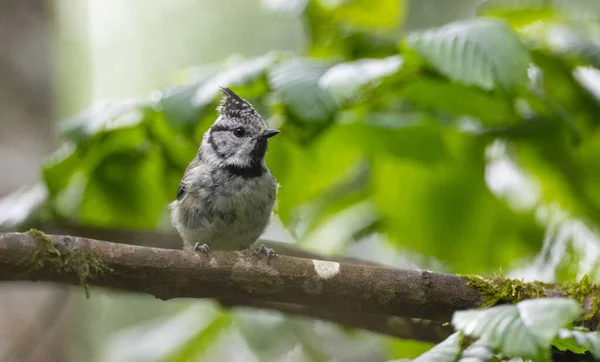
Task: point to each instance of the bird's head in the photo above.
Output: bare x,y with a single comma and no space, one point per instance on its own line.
239,136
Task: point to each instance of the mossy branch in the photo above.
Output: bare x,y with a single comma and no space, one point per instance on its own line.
243,278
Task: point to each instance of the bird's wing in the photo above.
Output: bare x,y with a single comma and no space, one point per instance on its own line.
181,190
197,162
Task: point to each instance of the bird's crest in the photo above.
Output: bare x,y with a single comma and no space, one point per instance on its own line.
235,107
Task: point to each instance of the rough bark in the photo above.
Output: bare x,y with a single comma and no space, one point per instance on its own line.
168,274
350,294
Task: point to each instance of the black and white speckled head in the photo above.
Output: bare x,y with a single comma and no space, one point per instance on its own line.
238,138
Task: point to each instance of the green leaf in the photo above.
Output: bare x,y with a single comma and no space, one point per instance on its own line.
522,330
59,167
198,345
477,352
446,351
407,348
385,14
480,52
459,100
297,83
519,13
345,79
104,144
125,190
103,116
578,341
178,150
450,350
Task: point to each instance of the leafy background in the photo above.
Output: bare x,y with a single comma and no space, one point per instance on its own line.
468,144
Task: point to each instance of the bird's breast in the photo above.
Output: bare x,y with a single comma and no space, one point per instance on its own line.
232,213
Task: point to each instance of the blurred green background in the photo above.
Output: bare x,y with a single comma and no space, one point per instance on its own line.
457,136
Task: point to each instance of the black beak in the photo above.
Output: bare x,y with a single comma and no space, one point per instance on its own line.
268,133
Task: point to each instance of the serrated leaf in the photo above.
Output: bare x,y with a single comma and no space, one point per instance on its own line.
578,341
477,352
297,83
525,329
345,79
480,52
446,351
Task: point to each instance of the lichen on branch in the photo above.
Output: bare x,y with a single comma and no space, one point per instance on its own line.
87,265
500,290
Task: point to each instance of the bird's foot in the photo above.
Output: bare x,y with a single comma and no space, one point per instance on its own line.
269,252
203,248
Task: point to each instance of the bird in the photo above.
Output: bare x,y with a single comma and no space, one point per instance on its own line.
227,193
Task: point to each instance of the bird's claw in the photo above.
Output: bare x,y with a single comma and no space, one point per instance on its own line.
269,252
203,248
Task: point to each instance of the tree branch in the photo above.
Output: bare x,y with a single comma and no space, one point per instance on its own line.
168,274
294,285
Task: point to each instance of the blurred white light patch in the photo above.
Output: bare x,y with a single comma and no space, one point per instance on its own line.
535,75
345,78
565,237
17,207
277,232
589,78
334,234
287,7
507,180
379,249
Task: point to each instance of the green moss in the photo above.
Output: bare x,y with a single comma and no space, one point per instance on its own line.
580,291
504,290
46,255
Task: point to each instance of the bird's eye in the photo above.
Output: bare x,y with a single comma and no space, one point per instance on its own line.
239,132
